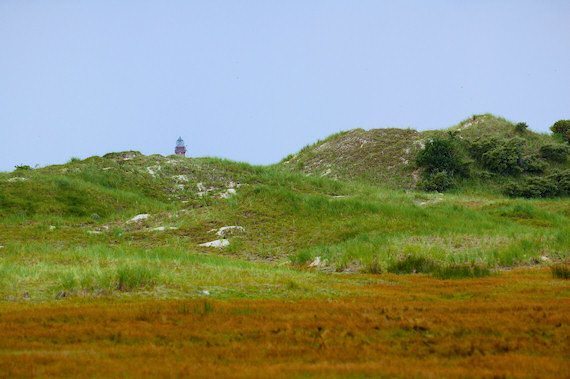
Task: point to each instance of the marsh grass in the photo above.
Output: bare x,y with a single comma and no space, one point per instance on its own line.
134,277
561,271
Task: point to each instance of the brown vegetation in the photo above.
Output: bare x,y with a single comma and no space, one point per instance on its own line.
514,324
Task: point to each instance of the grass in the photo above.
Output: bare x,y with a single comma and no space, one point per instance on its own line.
511,325
561,271
65,230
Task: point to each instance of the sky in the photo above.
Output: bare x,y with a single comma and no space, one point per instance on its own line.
257,80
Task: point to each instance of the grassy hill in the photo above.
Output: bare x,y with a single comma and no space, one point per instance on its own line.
68,230
387,157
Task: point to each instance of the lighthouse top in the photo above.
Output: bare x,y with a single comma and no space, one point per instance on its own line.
180,148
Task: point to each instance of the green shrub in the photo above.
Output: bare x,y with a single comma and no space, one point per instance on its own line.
532,164
439,181
533,187
23,167
521,127
555,152
503,156
561,129
561,180
442,155
412,264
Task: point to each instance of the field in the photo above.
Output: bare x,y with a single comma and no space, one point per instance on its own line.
516,324
103,273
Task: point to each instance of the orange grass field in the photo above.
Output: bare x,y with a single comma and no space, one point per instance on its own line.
514,324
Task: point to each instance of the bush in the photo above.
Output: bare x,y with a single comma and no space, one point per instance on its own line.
22,167
439,181
561,129
521,127
442,155
532,164
555,152
561,180
533,187
500,156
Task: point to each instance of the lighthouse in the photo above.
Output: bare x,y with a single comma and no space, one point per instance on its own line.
180,148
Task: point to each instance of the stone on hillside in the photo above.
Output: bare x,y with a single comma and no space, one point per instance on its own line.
163,228
217,243
140,217
229,193
316,262
17,179
227,230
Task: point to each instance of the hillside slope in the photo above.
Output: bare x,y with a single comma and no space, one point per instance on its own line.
127,222
387,157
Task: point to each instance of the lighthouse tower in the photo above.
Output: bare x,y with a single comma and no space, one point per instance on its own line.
180,148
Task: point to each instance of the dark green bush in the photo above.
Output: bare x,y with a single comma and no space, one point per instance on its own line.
561,128
22,168
532,164
439,181
562,181
504,156
442,155
533,187
521,127
555,152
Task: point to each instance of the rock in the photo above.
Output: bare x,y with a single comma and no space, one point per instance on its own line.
163,228
1,246
217,243
17,179
93,232
229,193
51,227
316,262
544,258
205,292
226,230
180,178
140,217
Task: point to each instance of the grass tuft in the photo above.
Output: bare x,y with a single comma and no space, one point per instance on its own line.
561,271
130,278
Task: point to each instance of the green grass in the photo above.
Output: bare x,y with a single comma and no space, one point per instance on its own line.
65,230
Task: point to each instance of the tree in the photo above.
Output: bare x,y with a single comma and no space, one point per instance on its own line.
561,128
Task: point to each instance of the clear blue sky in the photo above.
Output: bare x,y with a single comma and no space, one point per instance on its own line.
256,80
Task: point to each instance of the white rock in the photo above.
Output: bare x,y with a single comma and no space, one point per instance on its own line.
217,243
163,228
17,179
93,232
106,168
316,262
229,193
224,230
205,292
544,258
1,247
180,187
180,178
51,227
137,218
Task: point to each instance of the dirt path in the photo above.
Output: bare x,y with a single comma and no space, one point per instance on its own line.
515,324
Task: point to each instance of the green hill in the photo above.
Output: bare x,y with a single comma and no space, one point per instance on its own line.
387,157
126,222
